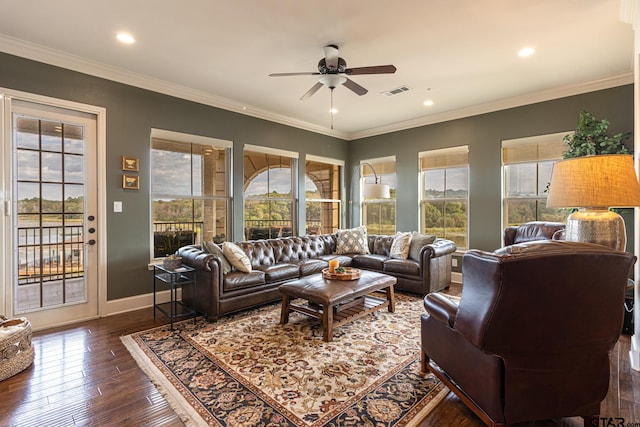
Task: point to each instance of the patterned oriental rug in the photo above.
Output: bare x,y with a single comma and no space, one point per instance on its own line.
248,370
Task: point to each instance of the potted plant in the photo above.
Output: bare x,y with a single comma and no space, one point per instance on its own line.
591,138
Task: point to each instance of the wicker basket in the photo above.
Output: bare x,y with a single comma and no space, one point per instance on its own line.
16,349
172,264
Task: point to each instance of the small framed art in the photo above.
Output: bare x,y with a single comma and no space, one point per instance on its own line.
130,182
130,164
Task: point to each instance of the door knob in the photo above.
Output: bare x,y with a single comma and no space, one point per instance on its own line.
91,242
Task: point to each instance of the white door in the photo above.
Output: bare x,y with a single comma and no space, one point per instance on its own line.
53,214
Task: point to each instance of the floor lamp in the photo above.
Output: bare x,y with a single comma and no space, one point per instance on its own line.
593,184
377,190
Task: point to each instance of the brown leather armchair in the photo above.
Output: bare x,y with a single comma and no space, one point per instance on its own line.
534,230
531,335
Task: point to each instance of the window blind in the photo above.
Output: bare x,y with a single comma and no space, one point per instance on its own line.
444,158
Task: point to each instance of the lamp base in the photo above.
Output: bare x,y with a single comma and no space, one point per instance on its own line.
597,225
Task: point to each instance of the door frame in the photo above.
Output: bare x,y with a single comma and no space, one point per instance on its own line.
6,251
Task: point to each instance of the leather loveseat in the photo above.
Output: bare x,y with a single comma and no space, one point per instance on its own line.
275,261
533,231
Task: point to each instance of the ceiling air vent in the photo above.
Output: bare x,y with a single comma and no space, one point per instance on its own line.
397,90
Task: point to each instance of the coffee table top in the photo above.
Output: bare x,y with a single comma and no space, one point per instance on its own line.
319,290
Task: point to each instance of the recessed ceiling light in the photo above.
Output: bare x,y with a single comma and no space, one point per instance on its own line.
526,51
428,103
333,111
125,38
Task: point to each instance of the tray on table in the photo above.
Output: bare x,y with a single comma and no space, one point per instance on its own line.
348,274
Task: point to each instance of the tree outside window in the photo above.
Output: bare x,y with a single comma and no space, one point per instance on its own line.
268,195
190,193
444,201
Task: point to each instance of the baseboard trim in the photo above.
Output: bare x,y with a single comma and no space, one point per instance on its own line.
456,278
137,302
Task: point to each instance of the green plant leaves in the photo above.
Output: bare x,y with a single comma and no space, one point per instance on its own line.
590,138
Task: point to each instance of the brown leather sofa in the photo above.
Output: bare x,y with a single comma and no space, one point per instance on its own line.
532,231
275,261
531,335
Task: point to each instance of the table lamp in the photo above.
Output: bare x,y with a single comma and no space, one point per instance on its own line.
593,184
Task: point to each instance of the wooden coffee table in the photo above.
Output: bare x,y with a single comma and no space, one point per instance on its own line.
337,302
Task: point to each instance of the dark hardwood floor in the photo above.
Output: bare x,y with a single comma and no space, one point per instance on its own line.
83,375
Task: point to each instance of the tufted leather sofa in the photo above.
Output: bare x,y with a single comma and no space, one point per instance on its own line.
275,261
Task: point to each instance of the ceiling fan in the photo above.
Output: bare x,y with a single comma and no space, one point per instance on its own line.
332,70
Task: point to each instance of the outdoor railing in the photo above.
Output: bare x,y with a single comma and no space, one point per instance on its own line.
50,253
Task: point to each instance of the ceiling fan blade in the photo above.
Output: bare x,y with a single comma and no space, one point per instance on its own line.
331,56
311,91
310,73
355,87
376,69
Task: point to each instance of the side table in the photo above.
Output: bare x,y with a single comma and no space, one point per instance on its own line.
173,280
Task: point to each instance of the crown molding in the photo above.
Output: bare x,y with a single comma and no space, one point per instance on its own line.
502,104
61,59
65,60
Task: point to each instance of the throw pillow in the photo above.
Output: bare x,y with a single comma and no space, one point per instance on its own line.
214,249
418,240
400,246
236,257
352,241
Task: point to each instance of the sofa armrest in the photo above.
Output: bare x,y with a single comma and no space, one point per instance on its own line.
438,248
195,257
435,265
208,276
441,308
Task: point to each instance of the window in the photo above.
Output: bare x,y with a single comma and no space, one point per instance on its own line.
190,190
322,194
379,215
269,192
527,165
444,194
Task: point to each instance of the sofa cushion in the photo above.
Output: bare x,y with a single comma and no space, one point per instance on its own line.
312,266
352,241
400,246
418,240
369,261
343,260
236,257
239,280
402,266
280,272
216,250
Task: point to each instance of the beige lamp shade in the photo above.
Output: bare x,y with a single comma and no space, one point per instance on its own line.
594,181
594,184
377,191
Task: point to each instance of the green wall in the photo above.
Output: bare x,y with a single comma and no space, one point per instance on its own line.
132,112
483,134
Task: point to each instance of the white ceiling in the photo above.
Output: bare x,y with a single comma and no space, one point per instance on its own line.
462,54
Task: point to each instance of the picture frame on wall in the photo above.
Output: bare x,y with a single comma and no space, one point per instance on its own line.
130,182
130,164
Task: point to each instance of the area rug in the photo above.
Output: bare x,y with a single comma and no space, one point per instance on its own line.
248,370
